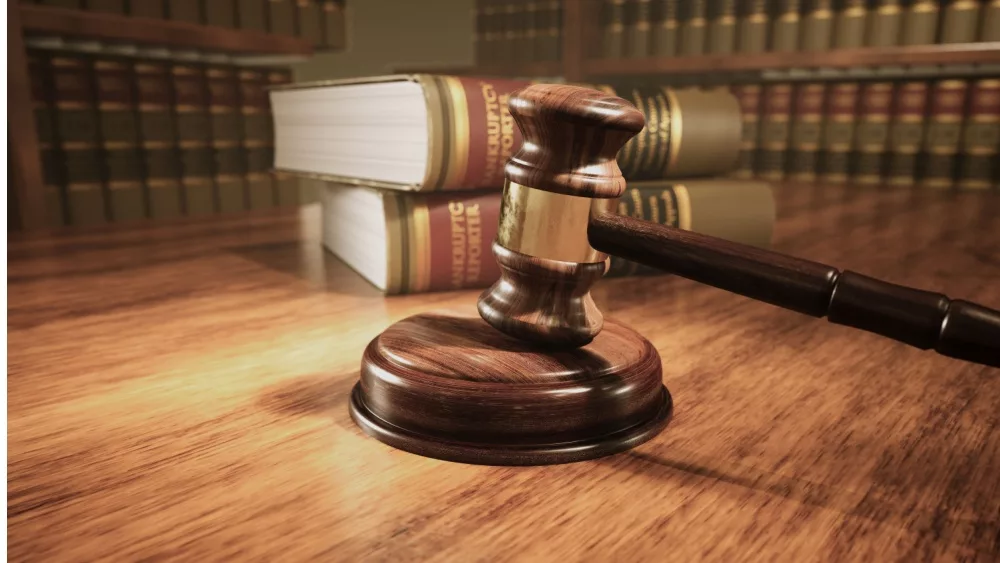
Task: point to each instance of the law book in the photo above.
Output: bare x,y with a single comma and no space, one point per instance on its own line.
871,134
53,183
194,135
981,135
221,13
840,117
785,27
106,6
722,27
78,132
405,243
752,27
71,4
884,24
816,29
160,151
524,48
989,29
920,23
185,11
806,131
749,96
959,21
285,184
251,15
155,9
664,37
281,17
119,130
906,132
512,30
638,29
850,22
256,139
944,133
548,41
693,25
774,131
309,16
334,26
613,29
229,167
486,22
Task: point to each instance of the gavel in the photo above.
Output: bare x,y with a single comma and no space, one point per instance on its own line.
558,227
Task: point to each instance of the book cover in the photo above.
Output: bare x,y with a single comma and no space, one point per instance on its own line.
906,132
548,41
944,133
785,27
753,26
960,21
637,32
850,22
774,131
817,25
989,29
227,136
334,26
884,24
749,96
664,40
806,131
119,131
194,134
920,22
281,17
872,132
981,135
160,151
613,28
251,15
309,16
256,139
840,117
221,13
693,27
722,27
50,154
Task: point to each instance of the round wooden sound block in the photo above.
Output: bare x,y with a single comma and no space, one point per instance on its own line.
454,388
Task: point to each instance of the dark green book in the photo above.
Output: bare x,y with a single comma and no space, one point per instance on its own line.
119,129
158,139
194,134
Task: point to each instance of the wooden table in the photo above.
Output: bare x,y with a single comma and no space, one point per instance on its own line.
180,391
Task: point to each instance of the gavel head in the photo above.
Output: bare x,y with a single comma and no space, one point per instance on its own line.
565,171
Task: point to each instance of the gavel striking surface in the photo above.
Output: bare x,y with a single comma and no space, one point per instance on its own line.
181,392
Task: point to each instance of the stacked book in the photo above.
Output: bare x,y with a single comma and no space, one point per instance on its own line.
413,170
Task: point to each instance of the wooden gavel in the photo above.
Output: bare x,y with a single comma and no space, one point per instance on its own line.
558,226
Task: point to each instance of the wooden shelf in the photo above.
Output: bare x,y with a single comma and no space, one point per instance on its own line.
117,28
950,54
529,69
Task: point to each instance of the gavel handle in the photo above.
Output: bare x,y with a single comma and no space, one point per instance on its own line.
956,328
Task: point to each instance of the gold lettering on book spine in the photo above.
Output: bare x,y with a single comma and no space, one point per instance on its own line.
499,130
466,243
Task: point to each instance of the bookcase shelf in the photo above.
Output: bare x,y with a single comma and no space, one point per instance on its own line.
911,55
117,28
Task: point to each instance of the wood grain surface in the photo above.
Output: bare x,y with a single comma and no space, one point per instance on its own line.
180,392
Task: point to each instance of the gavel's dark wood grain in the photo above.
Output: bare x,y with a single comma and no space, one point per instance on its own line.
181,392
924,319
572,136
452,387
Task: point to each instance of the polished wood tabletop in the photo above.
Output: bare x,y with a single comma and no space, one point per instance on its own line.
180,391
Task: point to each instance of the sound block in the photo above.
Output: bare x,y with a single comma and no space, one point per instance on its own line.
454,388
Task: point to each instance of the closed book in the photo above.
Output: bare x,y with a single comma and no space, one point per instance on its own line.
414,243
155,9
281,17
722,27
906,132
693,27
119,126
227,138
752,27
550,41
981,135
785,27
221,13
310,21
287,185
817,25
194,135
334,26
850,23
512,30
185,11
920,23
806,131
884,24
524,49
638,29
613,29
487,17
839,119
871,135
158,139
749,96
664,35
256,139
959,21
251,15
77,127
989,29
944,133
774,131
53,182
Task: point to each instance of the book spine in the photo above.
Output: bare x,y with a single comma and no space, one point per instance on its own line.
487,17
334,26
281,17
160,151
50,154
838,131
120,139
251,15
286,185
806,131
722,28
221,13
920,22
753,24
78,130
512,30
990,29
613,28
960,21
749,98
442,242
638,31
185,11
554,36
309,16
525,47
884,24
774,131
850,24
944,133
190,96
906,132
981,136
785,27
692,27
106,6
817,26
664,40
872,132
478,32
155,9
255,138
227,136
